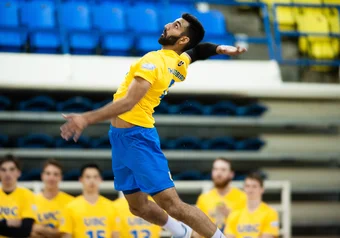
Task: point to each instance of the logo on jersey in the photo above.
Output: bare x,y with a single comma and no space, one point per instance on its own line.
148,66
180,63
274,224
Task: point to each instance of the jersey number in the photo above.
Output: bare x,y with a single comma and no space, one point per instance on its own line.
96,234
166,91
143,234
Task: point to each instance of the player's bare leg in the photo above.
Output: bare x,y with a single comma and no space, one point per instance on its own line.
190,215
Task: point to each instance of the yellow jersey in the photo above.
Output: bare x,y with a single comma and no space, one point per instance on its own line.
161,69
264,220
49,212
208,202
19,204
131,226
82,219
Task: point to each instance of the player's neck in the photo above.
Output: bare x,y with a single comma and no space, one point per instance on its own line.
253,204
50,193
223,191
171,47
8,188
91,197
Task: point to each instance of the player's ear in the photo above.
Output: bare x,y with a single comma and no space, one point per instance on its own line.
184,40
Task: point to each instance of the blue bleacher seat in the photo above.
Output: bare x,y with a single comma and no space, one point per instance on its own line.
101,104
189,107
37,104
73,174
222,108
5,103
162,108
75,104
249,144
82,143
3,141
39,17
165,143
251,110
109,18
12,37
75,18
100,143
143,20
213,22
35,141
185,143
175,11
108,175
188,175
33,174
220,143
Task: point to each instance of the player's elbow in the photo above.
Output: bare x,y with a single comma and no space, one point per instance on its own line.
129,103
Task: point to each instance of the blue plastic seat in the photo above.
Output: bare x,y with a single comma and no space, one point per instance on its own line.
12,36
36,140
175,11
250,144
75,18
143,21
189,107
33,174
75,104
101,104
220,143
222,108
5,103
109,19
188,175
162,108
165,143
82,143
185,143
3,141
38,104
251,110
108,175
72,175
100,143
39,17
213,22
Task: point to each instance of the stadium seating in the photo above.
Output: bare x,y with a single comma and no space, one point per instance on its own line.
175,11
221,143
12,37
82,143
221,108
100,143
249,144
39,18
75,104
187,108
35,141
3,141
5,103
38,104
75,18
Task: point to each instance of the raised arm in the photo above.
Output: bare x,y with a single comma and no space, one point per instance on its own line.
205,50
76,123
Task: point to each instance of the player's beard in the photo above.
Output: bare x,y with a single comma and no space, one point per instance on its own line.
222,184
171,40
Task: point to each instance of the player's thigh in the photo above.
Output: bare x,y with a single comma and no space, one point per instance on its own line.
136,200
167,199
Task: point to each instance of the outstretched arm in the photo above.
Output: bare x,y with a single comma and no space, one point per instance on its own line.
76,123
205,50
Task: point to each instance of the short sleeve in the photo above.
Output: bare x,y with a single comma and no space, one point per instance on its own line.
186,58
29,209
147,68
66,222
271,225
231,225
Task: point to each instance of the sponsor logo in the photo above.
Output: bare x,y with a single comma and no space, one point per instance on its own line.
148,66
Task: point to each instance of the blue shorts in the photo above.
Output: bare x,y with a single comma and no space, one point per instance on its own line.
138,163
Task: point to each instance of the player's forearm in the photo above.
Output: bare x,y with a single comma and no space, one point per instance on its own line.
66,235
109,111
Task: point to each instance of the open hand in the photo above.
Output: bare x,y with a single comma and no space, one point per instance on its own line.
74,126
230,50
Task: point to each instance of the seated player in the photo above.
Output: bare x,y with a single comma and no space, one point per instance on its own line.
131,226
257,220
51,201
17,205
89,215
219,202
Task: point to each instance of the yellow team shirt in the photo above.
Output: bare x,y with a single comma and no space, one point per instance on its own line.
208,203
131,226
49,212
82,219
162,69
19,204
245,224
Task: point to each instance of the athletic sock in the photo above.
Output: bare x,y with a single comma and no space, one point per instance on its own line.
218,234
174,227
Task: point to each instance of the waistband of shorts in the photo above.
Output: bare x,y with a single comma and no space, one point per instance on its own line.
130,131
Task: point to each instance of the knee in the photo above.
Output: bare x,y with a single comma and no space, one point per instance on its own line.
175,210
139,211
